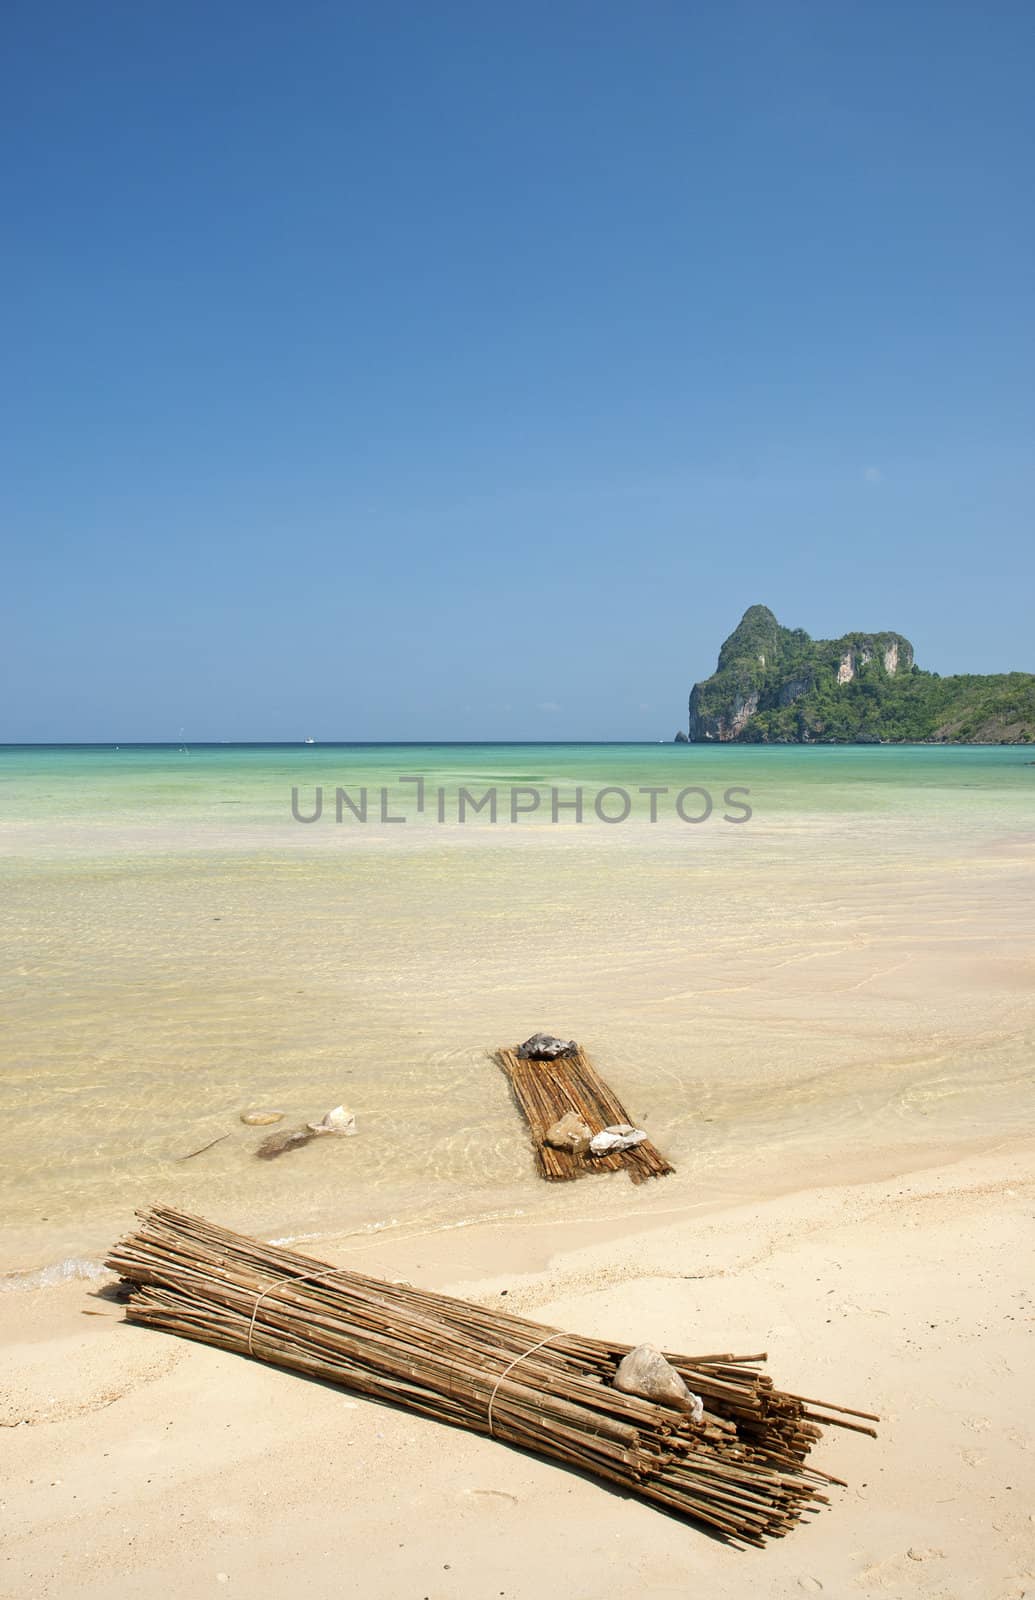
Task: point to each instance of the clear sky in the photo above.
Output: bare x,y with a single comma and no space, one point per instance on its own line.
403,370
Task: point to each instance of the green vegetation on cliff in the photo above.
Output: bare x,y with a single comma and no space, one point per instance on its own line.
777,685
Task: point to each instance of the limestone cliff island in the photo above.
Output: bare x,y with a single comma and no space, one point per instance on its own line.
776,685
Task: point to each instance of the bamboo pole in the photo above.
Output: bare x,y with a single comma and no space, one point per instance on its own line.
547,1090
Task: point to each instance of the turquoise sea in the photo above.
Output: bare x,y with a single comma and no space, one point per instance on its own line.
177,781
833,968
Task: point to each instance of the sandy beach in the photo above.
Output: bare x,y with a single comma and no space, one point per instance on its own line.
138,1465
824,1020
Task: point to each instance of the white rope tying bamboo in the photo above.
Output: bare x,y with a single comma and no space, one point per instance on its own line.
271,1288
522,1357
321,1277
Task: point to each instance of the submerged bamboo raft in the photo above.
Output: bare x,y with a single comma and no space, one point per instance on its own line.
547,1090
740,1470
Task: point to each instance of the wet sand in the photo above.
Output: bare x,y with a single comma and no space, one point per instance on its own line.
774,1005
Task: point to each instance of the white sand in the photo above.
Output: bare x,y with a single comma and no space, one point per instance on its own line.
136,1465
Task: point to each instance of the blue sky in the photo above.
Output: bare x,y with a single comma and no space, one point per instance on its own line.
458,370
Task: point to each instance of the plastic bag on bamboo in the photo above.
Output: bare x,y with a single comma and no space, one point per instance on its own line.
645,1372
612,1141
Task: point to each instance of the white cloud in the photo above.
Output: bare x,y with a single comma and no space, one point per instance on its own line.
549,705
872,475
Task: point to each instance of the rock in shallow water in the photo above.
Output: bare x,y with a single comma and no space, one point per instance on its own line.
545,1047
569,1133
258,1118
277,1143
339,1120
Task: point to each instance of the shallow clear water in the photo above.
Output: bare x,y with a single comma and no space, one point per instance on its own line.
849,972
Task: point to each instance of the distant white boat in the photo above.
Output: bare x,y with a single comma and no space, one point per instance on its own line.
310,740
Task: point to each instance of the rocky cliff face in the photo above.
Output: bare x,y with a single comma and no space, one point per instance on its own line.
765,667
776,684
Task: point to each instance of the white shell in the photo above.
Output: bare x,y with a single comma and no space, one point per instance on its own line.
336,1121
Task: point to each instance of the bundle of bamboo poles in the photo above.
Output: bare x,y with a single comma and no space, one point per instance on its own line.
741,1470
548,1090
